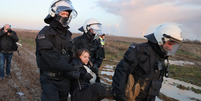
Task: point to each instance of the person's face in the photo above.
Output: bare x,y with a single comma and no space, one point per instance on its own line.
168,45
92,31
64,14
6,26
84,58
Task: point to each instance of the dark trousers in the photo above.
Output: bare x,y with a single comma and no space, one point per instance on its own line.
3,57
94,92
54,89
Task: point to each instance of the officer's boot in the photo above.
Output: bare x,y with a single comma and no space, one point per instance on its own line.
132,91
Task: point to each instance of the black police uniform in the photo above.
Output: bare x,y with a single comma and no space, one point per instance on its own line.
93,46
145,62
53,52
82,90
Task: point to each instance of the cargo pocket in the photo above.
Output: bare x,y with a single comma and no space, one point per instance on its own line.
155,88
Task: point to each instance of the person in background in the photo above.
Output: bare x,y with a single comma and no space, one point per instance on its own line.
91,29
53,51
8,39
146,63
102,41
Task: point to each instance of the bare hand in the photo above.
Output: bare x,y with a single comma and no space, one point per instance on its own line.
8,34
6,27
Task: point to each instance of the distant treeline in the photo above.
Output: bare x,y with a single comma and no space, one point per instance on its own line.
192,41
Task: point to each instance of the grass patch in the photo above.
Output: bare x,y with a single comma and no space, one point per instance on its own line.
186,53
189,54
115,50
28,41
166,98
189,74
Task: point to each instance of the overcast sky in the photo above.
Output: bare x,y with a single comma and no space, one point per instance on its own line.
131,18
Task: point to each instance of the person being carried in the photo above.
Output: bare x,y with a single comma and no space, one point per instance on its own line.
83,85
8,39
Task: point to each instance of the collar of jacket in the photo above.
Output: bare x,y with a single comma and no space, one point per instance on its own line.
58,27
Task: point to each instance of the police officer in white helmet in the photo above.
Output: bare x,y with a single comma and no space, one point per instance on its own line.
91,29
146,63
53,51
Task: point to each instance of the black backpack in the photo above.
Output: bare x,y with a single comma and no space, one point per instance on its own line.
15,47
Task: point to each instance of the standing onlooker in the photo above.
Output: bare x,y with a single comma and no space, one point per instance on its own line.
53,51
8,38
91,29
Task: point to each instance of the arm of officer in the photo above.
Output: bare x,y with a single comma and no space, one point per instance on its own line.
51,54
122,71
99,54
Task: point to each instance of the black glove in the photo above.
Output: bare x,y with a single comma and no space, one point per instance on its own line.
120,97
94,68
72,75
77,63
85,76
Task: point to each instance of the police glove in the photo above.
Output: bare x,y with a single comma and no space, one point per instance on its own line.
120,97
77,63
85,76
94,68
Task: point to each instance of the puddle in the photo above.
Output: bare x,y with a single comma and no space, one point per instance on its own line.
19,44
172,91
107,68
181,63
168,88
20,93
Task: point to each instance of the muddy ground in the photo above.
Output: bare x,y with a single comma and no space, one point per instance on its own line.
24,84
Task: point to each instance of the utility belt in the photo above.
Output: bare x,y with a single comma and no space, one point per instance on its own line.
6,52
52,74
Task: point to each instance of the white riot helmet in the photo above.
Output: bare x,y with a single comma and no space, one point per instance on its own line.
169,33
61,5
92,26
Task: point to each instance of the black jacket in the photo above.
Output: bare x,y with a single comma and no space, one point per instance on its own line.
78,78
147,67
53,48
7,42
93,46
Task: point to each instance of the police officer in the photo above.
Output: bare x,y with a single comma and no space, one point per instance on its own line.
146,62
53,51
91,29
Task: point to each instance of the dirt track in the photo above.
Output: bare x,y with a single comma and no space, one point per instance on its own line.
24,85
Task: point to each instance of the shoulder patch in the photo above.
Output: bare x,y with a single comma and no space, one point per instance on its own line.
41,36
133,46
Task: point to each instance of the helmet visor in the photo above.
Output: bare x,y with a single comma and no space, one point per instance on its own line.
64,5
171,47
96,28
